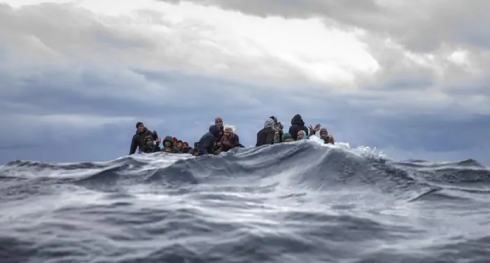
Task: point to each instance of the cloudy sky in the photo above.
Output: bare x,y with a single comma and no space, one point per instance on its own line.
410,78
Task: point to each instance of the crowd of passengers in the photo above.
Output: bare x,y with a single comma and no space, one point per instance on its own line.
220,139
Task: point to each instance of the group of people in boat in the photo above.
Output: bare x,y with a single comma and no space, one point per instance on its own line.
220,139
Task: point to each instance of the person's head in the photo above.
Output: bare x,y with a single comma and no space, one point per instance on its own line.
196,145
218,122
301,135
286,137
185,144
140,127
149,141
214,130
274,119
179,144
228,132
323,133
168,141
269,123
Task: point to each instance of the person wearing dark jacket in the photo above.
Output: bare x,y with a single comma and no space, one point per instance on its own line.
206,143
150,146
297,124
138,140
228,141
267,134
169,145
218,121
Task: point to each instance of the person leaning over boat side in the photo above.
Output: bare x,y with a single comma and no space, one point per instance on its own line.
138,140
267,134
207,141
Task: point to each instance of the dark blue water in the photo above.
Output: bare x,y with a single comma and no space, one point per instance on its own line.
297,202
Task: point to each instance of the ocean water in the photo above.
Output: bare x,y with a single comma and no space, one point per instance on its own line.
293,202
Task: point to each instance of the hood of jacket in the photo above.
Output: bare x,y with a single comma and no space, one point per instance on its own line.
286,135
214,130
168,139
269,123
297,120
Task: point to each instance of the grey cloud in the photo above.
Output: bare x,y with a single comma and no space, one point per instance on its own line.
55,34
102,84
38,139
419,25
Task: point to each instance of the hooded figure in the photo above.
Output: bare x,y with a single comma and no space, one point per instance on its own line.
297,124
286,137
267,134
301,135
206,143
138,140
169,145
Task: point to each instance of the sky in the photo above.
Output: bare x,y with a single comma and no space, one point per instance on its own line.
409,78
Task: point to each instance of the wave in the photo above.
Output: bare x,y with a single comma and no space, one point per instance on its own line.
256,197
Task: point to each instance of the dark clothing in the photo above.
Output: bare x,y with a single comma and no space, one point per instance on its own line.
206,143
172,144
297,124
265,136
221,132
228,142
186,150
139,140
150,149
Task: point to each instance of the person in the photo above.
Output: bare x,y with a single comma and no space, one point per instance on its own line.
169,145
278,130
138,140
180,144
301,135
195,150
228,141
219,122
327,138
286,137
186,148
150,146
267,134
297,124
207,141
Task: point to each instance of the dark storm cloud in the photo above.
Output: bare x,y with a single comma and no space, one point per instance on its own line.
28,139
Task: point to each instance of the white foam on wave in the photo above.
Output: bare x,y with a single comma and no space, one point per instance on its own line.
364,151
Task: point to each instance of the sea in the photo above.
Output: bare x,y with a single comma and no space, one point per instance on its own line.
291,202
